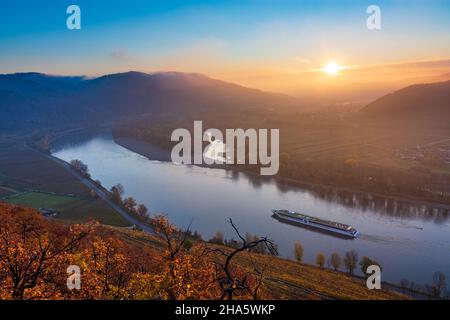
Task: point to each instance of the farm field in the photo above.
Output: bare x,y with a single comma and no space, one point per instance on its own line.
316,137
322,138
335,150
25,169
5,191
70,208
41,183
43,200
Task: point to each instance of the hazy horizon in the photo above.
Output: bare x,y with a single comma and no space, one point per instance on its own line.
224,150
276,46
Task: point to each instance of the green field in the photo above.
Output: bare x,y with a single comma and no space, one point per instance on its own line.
329,148
43,200
74,209
5,192
23,169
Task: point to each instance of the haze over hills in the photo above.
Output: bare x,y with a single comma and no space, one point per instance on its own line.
425,105
36,100
443,77
40,100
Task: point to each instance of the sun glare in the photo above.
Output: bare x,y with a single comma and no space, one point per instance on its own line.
332,68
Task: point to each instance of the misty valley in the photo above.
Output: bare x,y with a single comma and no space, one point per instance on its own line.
391,229
189,152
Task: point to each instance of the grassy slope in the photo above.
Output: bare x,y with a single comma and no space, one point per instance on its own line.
316,145
43,200
70,208
286,279
22,169
5,192
305,136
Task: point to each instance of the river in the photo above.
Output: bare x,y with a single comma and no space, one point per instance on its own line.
410,241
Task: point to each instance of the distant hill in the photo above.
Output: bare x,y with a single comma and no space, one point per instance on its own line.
40,100
423,105
443,77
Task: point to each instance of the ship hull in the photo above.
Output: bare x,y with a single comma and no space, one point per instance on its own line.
315,227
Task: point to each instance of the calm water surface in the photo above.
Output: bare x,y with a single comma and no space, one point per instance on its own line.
410,241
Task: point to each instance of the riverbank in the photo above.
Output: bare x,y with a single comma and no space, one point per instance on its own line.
25,171
209,196
101,192
153,152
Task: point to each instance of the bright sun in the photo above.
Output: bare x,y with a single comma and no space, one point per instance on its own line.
332,68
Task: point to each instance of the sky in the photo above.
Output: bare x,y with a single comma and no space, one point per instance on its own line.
278,45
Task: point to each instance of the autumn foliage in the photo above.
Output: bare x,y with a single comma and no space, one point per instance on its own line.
35,253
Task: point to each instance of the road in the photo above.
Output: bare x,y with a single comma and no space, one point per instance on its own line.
100,193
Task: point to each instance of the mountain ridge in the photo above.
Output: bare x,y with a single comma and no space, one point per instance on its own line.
423,105
63,100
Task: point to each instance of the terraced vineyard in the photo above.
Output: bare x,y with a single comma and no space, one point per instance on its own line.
286,279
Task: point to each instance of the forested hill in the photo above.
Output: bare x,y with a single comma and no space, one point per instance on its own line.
36,100
422,105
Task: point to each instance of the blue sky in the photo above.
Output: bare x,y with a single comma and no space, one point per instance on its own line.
233,40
